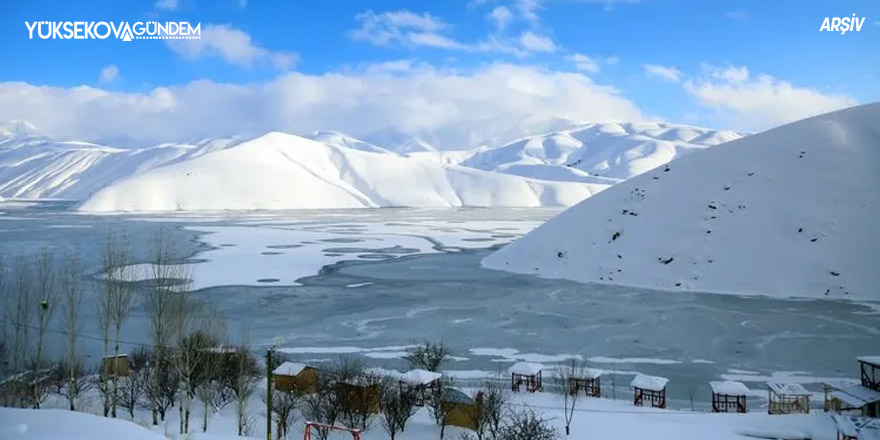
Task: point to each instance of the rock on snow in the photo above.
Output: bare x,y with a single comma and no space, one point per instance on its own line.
790,212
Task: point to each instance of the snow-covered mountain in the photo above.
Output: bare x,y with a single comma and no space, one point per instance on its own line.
598,153
280,170
788,212
36,166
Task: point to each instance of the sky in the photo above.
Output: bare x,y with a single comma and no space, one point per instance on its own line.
455,73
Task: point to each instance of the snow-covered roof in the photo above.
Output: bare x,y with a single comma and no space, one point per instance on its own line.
419,377
839,384
857,395
526,368
795,389
592,373
729,387
454,395
870,359
289,369
650,383
862,428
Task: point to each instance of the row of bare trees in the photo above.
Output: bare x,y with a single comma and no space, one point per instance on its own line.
186,359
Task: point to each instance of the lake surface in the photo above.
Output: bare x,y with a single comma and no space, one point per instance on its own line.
319,284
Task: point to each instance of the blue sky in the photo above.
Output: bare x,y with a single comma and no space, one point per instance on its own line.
745,65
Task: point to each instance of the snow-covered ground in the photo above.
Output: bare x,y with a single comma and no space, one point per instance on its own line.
791,212
593,418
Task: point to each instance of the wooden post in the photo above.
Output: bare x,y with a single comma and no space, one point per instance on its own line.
269,393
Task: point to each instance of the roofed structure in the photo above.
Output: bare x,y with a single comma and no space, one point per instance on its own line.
417,383
729,396
869,369
295,377
528,374
650,390
587,379
787,398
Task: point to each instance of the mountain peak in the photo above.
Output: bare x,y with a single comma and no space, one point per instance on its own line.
17,128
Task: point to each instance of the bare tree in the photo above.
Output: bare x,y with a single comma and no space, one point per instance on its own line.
489,413
526,424
132,388
161,305
211,391
246,373
7,306
73,380
565,375
47,295
120,301
428,356
396,408
439,409
71,289
358,393
284,406
323,405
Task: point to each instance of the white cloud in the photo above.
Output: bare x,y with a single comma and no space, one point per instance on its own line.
232,45
583,62
109,73
449,108
401,27
528,9
168,5
612,60
501,17
670,74
536,43
762,101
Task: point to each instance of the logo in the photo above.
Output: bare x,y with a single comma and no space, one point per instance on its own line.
123,30
842,25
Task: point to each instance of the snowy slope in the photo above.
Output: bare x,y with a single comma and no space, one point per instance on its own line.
789,212
598,152
56,424
35,166
280,170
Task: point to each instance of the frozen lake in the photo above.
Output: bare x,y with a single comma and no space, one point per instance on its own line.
370,282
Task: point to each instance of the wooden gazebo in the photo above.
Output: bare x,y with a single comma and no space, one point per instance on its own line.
589,380
528,374
787,398
295,377
361,394
418,384
729,396
869,367
649,391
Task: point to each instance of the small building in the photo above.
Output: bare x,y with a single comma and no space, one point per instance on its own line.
588,380
419,383
116,366
856,428
869,368
295,377
856,398
649,391
460,409
729,396
832,403
528,374
359,395
787,398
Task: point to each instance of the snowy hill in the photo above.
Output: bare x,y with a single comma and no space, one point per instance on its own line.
34,166
789,212
280,170
598,153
